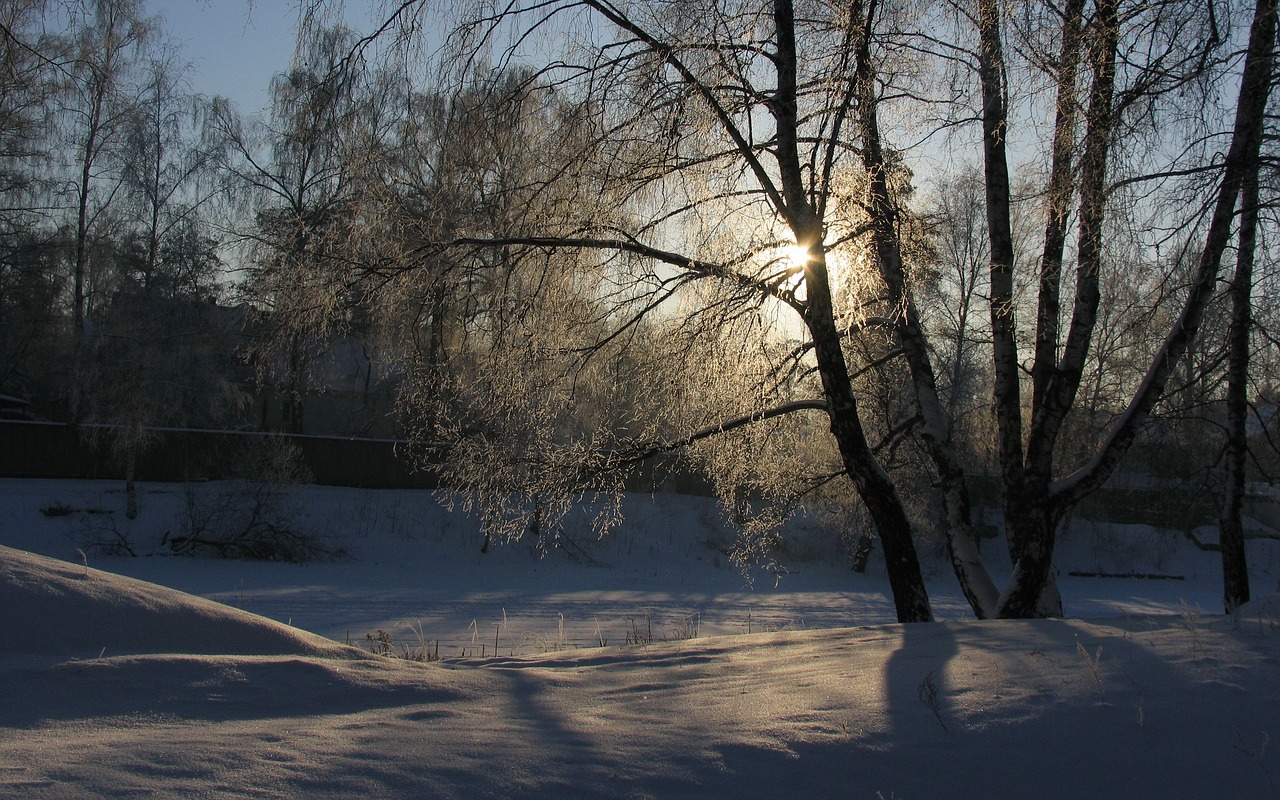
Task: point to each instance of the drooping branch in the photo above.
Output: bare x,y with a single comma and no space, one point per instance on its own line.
668,53
775,289
624,457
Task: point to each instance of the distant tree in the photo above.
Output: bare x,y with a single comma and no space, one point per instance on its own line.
107,37
33,67
148,347
33,71
293,178
952,297
163,354
167,169
32,314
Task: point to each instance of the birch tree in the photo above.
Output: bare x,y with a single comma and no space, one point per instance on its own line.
108,37
742,181
291,177
169,162
1235,572
714,185
32,76
1034,498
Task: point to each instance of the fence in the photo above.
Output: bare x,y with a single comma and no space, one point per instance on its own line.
57,450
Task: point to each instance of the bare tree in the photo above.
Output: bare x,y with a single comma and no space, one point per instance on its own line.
707,154
168,164
1034,498
714,142
1235,572
293,179
108,35
33,67
953,296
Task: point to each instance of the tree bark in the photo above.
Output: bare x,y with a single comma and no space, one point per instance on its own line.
975,581
1063,382
875,487
1061,188
1007,393
1031,516
1235,571
1029,521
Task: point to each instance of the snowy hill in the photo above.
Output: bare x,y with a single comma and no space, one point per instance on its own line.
113,687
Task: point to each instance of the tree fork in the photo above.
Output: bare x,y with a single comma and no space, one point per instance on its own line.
1242,153
875,487
1031,517
975,581
1060,191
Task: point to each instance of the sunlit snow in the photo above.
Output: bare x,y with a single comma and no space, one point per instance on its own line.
795,684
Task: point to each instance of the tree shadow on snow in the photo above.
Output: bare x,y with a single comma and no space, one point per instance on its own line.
211,689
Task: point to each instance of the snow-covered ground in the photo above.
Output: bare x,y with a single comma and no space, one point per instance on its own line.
796,683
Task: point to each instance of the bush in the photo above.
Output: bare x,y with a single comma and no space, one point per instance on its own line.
250,517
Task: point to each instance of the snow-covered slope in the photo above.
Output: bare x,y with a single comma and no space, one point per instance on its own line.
1144,707
113,687
60,611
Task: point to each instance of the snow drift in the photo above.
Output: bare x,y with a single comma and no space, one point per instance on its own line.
113,687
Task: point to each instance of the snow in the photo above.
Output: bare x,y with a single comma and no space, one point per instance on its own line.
234,680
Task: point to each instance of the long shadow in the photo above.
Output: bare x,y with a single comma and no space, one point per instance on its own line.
545,723
915,681
202,689
1148,719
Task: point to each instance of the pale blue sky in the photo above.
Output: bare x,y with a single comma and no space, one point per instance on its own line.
235,46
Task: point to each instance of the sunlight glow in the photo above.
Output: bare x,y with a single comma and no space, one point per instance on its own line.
796,255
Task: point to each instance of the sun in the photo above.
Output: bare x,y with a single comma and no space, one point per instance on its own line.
796,255
783,263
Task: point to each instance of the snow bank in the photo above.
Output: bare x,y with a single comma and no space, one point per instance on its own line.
61,611
115,687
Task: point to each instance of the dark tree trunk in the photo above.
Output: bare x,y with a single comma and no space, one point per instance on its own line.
1031,523
1061,188
1235,572
295,391
1027,518
130,483
875,487
935,429
1031,516
1007,377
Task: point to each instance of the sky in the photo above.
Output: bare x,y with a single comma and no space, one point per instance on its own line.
235,46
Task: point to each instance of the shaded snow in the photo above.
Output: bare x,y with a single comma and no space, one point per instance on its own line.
113,687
